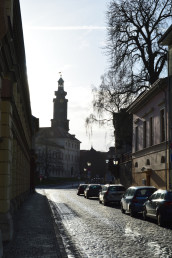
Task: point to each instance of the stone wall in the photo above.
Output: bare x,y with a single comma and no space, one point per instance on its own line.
15,118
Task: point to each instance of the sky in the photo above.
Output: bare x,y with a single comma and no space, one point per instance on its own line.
67,36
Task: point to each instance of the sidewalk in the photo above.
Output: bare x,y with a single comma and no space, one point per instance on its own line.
34,231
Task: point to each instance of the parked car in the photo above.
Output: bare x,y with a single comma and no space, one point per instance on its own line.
81,189
134,198
111,193
159,206
92,190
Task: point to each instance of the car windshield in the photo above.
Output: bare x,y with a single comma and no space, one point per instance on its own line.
83,186
145,192
116,188
94,186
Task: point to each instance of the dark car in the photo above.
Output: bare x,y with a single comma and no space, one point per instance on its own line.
134,198
111,193
92,190
159,206
81,189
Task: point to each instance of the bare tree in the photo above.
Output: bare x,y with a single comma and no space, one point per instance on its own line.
134,28
137,60
108,99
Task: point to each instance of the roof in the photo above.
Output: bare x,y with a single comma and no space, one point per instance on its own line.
55,132
147,95
142,187
166,39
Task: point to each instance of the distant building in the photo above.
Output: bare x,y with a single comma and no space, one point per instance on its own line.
58,151
123,126
122,122
93,164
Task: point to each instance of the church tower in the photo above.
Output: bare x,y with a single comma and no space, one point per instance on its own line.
60,108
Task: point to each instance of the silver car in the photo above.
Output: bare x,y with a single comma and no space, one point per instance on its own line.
111,193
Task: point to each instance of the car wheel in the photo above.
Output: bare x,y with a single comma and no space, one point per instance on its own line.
122,210
132,213
104,203
144,214
160,220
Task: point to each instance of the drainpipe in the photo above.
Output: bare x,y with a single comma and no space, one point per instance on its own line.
166,139
169,116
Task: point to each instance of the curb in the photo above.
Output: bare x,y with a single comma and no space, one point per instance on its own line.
62,251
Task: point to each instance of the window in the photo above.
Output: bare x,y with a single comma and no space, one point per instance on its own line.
151,131
130,192
136,165
162,159
153,197
144,134
162,125
147,162
136,138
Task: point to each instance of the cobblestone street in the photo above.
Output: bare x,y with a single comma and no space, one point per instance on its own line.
90,229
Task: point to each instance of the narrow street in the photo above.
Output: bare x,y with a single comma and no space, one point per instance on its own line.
89,229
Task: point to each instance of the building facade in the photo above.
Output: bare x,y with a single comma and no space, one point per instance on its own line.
166,40
150,136
123,124
54,145
15,118
93,164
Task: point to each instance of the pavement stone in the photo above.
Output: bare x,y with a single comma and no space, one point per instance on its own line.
35,232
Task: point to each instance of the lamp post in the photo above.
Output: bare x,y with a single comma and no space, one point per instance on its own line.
85,173
89,170
112,169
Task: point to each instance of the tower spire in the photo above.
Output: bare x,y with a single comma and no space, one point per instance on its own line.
60,82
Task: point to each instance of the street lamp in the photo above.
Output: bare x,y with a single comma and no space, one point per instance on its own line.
115,162
89,170
85,172
112,168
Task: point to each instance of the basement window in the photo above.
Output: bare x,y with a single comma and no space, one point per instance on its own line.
162,159
148,162
136,165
